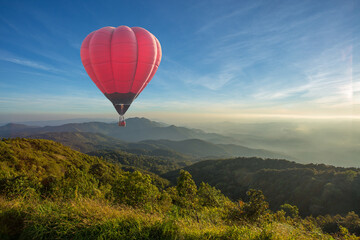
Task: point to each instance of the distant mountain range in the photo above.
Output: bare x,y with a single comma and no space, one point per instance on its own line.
44,123
141,136
137,129
203,149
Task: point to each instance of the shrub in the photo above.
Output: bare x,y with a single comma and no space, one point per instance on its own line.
136,189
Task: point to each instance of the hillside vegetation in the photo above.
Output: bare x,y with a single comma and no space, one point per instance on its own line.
155,164
317,189
49,191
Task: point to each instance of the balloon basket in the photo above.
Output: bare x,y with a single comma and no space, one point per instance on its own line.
122,122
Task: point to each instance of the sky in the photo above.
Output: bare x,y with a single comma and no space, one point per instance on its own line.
222,60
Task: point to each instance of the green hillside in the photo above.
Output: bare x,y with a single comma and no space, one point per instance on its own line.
155,164
314,188
48,191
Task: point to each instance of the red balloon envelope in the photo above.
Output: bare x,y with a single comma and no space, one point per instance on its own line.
121,62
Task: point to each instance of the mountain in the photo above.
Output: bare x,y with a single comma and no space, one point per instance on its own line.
191,149
13,128
202,149
137,129
180,143
62,122
82,141
315,189
92,142
109,129
41,159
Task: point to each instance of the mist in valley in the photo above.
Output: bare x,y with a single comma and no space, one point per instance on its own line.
328,142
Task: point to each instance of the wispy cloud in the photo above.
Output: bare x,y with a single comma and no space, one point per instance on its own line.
28,63
11,57
328,80
10,25
213,80
287,41
69,71
244,46
46,104
226,17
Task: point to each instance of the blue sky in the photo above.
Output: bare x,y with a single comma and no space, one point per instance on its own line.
221,59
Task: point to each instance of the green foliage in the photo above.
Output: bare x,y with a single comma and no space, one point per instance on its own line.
91,219
142,160
76,183
53,192
290,210
316,189
186,190
254,210
20,186
211,197
257,206
334,224
12,222
135,189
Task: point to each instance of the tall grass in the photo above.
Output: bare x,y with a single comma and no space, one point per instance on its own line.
94,219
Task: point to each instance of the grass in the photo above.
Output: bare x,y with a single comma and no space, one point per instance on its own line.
94,219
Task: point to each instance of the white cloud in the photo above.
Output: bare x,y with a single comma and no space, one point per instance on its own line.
27,63
224,17
10,57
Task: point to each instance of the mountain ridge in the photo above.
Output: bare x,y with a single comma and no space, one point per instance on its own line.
141,133
137,129
194,149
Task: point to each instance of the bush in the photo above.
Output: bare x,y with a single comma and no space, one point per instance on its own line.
136,189
290,210
211,197
20,187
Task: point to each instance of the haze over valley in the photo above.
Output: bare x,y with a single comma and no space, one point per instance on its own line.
335,143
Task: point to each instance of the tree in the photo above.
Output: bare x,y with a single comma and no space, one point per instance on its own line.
256,206
210,197
290,210
186,190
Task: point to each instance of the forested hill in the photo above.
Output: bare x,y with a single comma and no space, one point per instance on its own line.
49,191
315,189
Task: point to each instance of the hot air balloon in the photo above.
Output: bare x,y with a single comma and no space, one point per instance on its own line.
121,62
